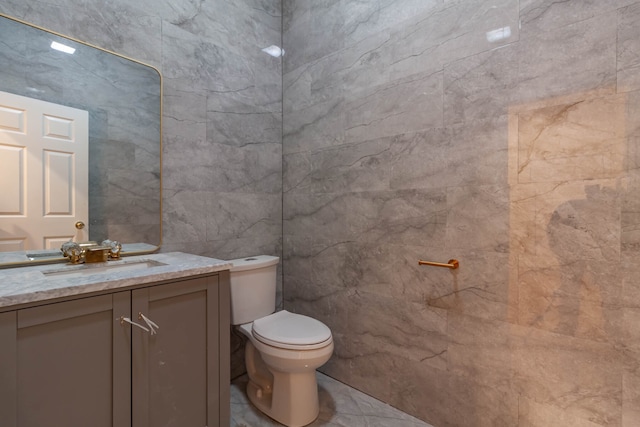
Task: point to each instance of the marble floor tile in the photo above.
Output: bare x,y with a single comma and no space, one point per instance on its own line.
340,405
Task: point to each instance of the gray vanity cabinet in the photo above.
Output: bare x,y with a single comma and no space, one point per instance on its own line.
75,364
66,364
177,372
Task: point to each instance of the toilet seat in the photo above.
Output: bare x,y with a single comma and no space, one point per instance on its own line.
291,331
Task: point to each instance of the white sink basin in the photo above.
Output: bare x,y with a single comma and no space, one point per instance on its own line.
89,269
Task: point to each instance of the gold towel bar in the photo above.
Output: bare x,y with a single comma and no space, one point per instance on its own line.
453,263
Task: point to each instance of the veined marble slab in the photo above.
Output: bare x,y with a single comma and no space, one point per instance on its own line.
26,285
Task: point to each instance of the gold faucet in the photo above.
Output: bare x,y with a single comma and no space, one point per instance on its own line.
88,252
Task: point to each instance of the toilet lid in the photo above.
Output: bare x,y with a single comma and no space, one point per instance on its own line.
285,329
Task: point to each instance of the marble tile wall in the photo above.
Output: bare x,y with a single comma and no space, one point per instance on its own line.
411,131
222,122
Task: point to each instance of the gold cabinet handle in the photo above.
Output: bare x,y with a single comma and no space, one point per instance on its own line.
452,264
79,225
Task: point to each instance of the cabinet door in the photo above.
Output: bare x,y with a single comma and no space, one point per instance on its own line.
66,364
176,372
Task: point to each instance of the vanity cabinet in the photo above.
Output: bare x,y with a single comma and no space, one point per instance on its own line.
66,364
76,363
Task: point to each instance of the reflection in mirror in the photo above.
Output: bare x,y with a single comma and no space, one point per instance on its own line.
122,100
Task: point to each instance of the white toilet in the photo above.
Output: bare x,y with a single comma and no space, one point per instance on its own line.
284,349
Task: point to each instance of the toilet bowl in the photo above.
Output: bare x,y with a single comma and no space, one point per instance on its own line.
283,350
282,373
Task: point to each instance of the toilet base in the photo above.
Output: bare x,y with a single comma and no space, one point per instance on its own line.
282,382
298,404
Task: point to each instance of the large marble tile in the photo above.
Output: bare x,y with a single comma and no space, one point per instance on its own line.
314,222
223,20
349,22
456,30
389,270
629,48
401,106
571,283
241,128
582,140
481,86
535,414
355,68
184,216
353,167
194,63
579,378
481,350
253,168
477,218
422,160
632,125
422,39
121,27
305,26
448,400
264,95
400,217
397,329
473,153
545,15
316,126
365,18
382,217
184,134
242,215
480,287
576,58
630,288
631,395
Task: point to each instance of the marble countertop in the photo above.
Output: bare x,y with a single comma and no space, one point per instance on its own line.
27,285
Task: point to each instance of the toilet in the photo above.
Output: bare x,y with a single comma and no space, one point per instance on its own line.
284,349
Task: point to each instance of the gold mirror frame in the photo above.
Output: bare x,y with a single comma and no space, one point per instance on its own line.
17,259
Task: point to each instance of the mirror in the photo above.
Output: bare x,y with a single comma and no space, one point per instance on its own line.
123,100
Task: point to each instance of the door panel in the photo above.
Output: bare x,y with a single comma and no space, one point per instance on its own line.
44,156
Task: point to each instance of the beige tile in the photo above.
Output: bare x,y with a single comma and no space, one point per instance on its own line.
480,287
566,239
579,377
534,414
451,400
394,328
581,140
575,58
481,351
631,396
478,218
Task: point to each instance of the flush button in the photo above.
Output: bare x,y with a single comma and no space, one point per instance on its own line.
250,259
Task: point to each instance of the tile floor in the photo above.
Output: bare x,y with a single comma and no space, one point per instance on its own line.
340,406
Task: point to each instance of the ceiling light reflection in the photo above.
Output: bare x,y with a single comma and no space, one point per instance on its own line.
498,34
62,47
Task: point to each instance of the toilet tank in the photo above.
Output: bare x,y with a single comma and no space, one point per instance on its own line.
253,288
